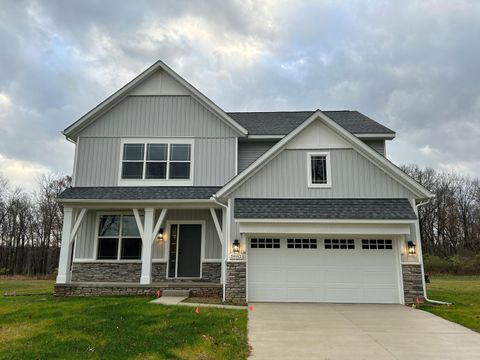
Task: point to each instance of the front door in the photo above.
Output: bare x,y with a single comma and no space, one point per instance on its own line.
185,259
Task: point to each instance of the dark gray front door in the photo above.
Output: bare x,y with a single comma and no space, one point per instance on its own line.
189,250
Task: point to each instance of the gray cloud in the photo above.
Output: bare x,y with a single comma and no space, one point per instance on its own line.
411,65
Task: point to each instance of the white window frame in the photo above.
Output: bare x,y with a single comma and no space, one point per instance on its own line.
120,237
328,169
156,182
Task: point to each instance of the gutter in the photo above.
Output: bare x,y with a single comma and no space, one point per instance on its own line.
224,261
421,257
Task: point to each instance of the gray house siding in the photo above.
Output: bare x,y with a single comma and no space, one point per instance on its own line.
85,240
98,161
377,145
353,176
145,116
249,151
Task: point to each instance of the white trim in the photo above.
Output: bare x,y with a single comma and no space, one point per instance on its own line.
217,226
328,221
158,225
159,261
78,222
212,261
328,169
157,182
167,246
120,94
138,220
398,257
236,156
266,137
75,162
107,261
386,136
376,158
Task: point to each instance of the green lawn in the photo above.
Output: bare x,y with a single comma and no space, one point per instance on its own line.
44,327
21,287
464,294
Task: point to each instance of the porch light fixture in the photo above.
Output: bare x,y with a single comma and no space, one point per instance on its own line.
411,248
236,246
160,235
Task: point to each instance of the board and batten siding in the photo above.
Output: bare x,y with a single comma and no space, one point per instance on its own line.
158,116
249,151
98,161
85,239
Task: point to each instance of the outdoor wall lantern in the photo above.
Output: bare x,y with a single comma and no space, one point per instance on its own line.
411,248
160,235
236,246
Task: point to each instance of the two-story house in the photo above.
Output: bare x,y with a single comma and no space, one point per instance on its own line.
171,192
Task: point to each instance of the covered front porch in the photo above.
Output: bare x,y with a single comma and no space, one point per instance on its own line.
137,246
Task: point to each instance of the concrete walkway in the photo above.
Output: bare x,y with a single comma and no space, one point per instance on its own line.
178,300
335,331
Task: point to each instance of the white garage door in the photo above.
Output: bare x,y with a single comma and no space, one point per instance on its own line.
323,270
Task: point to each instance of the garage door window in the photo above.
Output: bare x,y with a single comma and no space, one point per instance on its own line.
339,244
301,243
374,244
265,243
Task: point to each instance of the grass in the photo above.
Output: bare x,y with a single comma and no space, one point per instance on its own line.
44,327
22,286
464,294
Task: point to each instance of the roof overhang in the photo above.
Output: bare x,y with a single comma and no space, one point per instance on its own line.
375,136
131,204
71,131
383,163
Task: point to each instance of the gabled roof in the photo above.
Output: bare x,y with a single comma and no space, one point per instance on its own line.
119,95
377,159
378,209
137,193
283,122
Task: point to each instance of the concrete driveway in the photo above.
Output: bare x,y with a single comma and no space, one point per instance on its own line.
335,331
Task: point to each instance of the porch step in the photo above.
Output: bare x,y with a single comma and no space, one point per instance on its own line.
176,293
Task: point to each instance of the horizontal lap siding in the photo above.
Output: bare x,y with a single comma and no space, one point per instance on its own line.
248,152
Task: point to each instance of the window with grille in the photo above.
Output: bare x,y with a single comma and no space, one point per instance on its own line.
375,244
339,244
118,238
319,169
263,243
301,243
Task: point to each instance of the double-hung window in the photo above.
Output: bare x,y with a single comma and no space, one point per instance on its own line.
319,173
154,162
118,238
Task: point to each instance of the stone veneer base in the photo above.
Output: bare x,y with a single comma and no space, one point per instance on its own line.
109,289
236,284
412,283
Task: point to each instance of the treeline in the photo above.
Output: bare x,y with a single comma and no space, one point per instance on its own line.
31,224
31,227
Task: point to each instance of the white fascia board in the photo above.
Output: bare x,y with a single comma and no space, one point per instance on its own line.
387,136
122,204
282,229
379,160
329,221
116,97
270,154
265,137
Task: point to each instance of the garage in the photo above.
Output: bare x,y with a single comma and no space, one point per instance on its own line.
323,269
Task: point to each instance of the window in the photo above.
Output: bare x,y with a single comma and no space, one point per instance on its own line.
118,238
319,174
374,244
301,243
265,243
156,161
339,244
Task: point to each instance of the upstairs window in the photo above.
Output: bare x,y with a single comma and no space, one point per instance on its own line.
156,161
319,174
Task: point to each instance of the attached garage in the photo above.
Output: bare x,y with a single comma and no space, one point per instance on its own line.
324,250
317,269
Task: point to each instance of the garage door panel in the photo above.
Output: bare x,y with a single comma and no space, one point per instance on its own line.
323,275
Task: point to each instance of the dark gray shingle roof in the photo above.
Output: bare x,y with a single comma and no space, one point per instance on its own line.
323,209
283,122
139,192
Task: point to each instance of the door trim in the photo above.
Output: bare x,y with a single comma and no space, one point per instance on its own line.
202,246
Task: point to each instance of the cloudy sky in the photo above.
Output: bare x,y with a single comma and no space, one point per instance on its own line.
412,65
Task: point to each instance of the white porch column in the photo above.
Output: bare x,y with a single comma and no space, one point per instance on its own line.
147,247
63,276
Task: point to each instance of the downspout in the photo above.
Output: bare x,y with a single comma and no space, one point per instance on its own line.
417,233
226,228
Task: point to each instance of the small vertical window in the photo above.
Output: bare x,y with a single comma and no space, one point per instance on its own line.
180,161
132,165
319,170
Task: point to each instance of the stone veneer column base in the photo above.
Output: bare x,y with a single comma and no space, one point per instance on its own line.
236,282
412,283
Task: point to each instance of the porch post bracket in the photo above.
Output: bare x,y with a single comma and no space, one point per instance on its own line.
78,222
217,225
158,225
138,220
